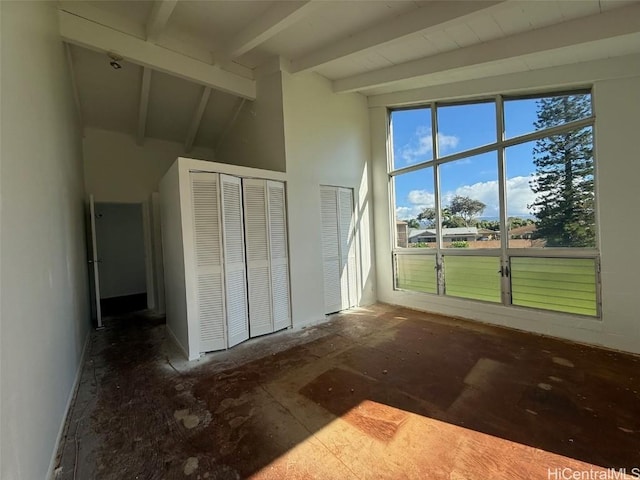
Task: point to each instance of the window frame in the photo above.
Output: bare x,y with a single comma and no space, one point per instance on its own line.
499,146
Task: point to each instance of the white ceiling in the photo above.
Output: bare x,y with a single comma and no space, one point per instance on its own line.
371,47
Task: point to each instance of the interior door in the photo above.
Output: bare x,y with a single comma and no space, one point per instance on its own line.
257,245
339,255
235,274
348,273
94,276
279,255
208,255
330,250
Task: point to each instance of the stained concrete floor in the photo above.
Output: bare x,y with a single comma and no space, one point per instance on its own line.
377,392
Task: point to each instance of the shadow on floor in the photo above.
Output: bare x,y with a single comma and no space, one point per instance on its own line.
380,392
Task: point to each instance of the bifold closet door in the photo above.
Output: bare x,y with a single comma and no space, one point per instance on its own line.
338,248
267,256
205,198
234,260
348,279
279,254
258,268
330,249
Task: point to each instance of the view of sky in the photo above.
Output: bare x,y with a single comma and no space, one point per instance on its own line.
463,127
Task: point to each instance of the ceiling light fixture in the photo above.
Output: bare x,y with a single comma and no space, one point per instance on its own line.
115,60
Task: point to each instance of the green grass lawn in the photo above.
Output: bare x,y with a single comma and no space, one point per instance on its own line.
559,284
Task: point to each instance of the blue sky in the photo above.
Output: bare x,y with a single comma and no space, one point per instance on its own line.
462,127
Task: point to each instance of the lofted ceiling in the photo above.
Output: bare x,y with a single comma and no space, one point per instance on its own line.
188,66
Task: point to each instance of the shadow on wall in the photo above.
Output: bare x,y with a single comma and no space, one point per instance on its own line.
365,240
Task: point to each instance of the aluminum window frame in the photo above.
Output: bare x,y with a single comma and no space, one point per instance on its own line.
499,146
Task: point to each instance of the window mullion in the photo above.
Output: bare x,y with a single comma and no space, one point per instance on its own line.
502,204
436,194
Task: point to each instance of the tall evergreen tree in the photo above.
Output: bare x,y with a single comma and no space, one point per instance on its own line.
564,205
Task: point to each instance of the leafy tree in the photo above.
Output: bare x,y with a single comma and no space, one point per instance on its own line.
413,223
489,225
466,208
452,221
564,205
460,213
517,222
428,215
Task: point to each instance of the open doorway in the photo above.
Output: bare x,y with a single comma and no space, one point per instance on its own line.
121,251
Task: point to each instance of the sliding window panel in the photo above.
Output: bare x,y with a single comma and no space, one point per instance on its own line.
473,277
416,273
560,284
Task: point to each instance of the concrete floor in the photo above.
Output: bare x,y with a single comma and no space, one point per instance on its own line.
381,392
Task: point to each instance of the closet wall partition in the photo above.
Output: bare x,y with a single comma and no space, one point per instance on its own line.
226,261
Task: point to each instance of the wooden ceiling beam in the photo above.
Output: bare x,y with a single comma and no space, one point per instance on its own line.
88,34
197,119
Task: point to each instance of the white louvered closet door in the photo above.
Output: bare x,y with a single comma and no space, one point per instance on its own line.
205,197
330,249
348,272
258,264
279,255
234,261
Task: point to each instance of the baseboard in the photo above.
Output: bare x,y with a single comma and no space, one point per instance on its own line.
177,343
67,410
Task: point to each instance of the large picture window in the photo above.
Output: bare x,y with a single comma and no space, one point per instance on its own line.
494,200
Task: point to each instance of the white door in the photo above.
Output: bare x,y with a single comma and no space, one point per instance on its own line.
346,224
267,255
234,261
205,197
258,263
94,274
330,249
279,255
338,248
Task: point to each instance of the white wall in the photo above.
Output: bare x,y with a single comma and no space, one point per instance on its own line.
617,109
173,260
256,139
327,143
44,307
117,169
121,249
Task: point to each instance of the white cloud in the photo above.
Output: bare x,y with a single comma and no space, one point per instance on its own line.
416,202
447,142
406,213
422,198
519,195
420,148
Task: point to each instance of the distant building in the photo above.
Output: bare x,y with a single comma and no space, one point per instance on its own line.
458,234
525,232
402,233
